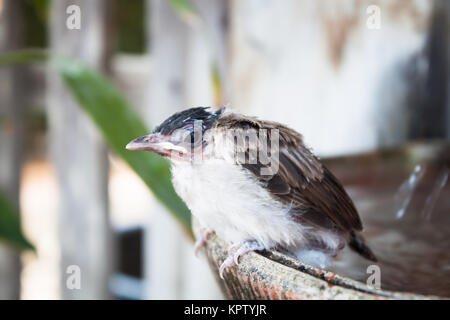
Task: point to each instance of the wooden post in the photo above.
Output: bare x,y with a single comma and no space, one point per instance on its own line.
11,136
80,158
181,76
325,69
429,96
446,31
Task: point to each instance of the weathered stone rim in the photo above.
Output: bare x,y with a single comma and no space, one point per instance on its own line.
254,278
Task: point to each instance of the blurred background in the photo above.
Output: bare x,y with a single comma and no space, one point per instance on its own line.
350,75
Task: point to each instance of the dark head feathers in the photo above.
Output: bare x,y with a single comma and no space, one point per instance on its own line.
180,119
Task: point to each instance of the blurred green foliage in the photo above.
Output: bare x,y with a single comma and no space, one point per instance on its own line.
131,26
116,120
120,124
23,57
113,115
35,23
36,119
10,229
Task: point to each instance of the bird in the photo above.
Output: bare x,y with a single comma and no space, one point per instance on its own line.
255,184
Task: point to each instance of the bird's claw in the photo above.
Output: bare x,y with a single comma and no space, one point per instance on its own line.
201,241
229,261
242,248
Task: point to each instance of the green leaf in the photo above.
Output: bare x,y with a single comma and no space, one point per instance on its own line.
119,125
10,230
40,8
116,120
23,57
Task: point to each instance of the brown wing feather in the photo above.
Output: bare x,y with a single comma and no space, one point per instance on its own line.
302,180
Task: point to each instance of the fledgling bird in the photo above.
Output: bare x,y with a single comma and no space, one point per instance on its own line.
256,185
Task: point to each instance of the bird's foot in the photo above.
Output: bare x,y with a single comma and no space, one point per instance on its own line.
201,241
242,248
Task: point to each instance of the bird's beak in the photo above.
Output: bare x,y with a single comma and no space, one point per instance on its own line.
155,142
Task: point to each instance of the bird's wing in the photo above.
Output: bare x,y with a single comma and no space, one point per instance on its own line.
305,183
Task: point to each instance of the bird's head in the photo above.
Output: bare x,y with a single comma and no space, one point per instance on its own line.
180,137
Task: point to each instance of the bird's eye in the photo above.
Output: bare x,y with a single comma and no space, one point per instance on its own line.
193,138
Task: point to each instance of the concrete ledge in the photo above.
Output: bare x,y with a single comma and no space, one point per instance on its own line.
273,275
